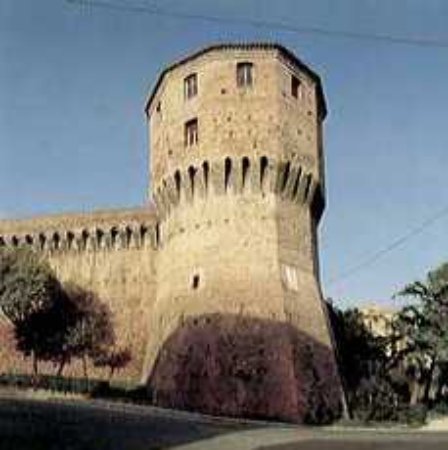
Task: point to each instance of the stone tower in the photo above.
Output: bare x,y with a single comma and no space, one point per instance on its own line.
237,177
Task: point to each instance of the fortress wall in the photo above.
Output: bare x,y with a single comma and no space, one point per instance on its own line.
304,306
228,227
300,120
111,253
230,244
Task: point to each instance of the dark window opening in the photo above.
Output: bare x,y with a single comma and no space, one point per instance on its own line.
190,86
113,236
285,176
244,74
295,86
128,236
297,183
206,170
56,241
263,168
84,238
245,167
159,107
177,180
227,173
195,281
191,132
192,174
42,240
70,239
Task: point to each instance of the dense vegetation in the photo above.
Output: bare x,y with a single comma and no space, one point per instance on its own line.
404,373
54,322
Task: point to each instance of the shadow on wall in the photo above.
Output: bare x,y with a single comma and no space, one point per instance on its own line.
224,364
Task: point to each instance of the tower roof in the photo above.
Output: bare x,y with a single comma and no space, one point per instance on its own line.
288,54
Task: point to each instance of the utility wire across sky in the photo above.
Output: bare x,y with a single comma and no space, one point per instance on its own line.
398,242
260,23
145,8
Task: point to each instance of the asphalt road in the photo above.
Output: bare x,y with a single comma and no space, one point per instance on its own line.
75,425
78,425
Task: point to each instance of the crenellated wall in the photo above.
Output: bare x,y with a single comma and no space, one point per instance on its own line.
262,175
111,253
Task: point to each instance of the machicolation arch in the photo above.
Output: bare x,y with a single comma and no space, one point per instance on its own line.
131,236
287,179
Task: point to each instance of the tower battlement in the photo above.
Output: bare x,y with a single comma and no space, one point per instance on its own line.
246,175
95,231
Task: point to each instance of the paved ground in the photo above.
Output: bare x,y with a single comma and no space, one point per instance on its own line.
80,425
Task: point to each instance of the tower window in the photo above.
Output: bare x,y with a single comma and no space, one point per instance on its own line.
295,86
290,278
190,86
191,132
244,74
195,281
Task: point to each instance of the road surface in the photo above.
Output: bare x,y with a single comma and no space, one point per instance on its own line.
80,425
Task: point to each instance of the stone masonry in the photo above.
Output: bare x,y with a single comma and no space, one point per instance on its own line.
237,192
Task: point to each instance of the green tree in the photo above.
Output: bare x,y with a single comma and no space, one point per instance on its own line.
373,391
92,333
31,298
422,328
114,359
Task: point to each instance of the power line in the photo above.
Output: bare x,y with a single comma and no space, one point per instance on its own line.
368,261
391,39
283,26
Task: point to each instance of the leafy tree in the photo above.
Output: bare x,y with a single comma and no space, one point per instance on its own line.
31,298
27,284
114,359
422,327
373,390
91,333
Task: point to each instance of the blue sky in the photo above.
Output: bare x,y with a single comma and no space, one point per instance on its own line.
73,81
